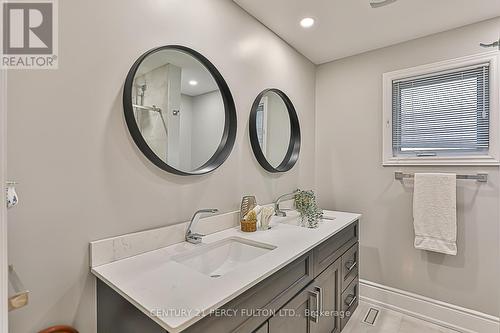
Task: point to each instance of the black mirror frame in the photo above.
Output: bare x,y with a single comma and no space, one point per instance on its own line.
292,154
230,126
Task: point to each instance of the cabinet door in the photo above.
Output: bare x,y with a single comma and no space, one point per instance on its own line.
329,286
316,309
263,329
295,316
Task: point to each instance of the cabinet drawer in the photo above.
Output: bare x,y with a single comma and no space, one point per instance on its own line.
350,265
349,302
270,294
330,250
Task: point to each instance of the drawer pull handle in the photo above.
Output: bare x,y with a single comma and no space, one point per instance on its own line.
317,296
350,303
350,265
320,291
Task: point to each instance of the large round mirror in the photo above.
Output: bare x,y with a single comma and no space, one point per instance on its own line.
179,110
274,131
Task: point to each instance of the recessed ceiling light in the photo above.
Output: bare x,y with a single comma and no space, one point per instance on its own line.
307,22
193,82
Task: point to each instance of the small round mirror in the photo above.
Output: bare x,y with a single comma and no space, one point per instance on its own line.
179,110
274,131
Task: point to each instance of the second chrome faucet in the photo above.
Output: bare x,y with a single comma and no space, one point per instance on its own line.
277,210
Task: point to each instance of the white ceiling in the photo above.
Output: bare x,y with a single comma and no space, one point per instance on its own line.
347,27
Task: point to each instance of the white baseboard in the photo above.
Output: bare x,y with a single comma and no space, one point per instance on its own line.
434,311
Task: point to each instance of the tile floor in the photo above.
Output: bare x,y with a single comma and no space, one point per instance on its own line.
390,322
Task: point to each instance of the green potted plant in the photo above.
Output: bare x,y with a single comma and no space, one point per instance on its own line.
310,213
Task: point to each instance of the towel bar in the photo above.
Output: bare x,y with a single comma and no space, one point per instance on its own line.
480,177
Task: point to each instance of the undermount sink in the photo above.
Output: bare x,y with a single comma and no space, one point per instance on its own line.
221,257
294,219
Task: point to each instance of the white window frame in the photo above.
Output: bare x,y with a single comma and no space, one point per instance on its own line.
493,157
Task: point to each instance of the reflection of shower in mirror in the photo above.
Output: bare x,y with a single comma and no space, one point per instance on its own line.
141,90
146,115
153,108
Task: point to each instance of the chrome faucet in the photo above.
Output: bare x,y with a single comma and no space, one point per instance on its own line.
195,238
277,210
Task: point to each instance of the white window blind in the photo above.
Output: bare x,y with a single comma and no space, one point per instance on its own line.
445,113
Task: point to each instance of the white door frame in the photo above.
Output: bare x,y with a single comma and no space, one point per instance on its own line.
4,279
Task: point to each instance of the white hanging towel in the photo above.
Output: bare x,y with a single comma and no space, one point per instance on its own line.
435,212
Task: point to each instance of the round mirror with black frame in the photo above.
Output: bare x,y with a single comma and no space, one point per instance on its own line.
179,110
274,131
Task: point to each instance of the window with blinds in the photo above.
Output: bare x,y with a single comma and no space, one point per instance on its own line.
446,113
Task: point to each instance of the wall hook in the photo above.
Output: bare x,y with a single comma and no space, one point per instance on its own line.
494,44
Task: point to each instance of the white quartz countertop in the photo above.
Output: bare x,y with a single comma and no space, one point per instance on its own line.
176,296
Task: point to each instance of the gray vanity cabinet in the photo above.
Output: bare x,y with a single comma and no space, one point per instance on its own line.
309,295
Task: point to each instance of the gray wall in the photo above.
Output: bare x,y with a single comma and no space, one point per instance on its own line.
350,177
81,176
